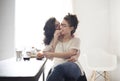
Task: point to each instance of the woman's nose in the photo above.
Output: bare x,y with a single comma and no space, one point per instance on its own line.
60,26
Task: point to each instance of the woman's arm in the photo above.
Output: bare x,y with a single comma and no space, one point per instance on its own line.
61,55
57,37
51,47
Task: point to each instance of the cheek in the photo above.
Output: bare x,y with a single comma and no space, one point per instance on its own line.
65,31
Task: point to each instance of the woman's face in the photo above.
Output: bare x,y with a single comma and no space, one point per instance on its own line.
65,28
57,25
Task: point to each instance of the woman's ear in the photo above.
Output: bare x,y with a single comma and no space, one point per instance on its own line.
72,30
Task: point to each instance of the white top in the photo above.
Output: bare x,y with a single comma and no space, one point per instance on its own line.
74,43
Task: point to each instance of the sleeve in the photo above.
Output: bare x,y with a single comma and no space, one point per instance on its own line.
75,44
47,48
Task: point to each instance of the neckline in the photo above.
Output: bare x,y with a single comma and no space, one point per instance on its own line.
67,40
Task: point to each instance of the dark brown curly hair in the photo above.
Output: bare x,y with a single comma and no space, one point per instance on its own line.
49,30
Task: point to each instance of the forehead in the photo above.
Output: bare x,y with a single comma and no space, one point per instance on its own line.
57,22
64,22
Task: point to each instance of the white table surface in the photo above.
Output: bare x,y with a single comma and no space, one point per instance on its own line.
13,68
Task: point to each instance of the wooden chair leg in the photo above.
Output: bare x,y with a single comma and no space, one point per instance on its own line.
93,76
106,76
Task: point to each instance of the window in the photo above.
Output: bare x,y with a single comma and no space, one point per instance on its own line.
30,17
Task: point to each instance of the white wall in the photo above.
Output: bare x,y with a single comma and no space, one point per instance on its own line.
94,27
99,27
115,34
6,28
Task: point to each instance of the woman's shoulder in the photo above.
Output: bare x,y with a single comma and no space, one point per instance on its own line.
76,39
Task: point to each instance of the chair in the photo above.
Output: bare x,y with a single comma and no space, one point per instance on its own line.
100,62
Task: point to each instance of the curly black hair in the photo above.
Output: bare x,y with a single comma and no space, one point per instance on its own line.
49,30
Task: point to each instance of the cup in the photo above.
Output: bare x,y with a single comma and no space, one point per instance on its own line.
18,55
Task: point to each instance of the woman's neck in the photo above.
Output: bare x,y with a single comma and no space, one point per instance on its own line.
66,38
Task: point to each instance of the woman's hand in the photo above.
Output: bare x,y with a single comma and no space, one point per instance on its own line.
73,58
57,34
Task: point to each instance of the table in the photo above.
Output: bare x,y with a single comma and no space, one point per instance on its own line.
12,70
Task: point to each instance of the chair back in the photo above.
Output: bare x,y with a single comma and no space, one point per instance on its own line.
100,60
